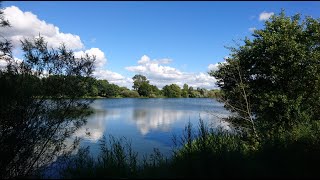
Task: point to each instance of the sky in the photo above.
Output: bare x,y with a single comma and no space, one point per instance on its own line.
168,42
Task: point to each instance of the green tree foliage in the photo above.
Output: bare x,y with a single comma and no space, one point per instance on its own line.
123,89
172,91
185,87
33,129
155,91
190,90
5,45
129,94
194,94
62,86
214,93
144,89
87,87
185,90
112,90
275,77
102,86
138,80
126,93
184,94
141,85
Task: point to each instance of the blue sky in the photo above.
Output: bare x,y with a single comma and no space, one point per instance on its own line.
175,42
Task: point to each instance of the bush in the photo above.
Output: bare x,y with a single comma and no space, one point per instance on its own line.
129,94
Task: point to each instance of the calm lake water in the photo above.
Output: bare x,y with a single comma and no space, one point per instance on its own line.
147,123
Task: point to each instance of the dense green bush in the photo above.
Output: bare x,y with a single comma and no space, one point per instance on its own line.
129,94
274,78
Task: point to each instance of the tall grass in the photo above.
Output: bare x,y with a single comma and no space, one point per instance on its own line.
205,152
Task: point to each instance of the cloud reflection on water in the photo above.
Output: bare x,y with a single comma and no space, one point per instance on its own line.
145,119
155,119
97,124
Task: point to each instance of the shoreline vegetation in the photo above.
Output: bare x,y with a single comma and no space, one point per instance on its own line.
120,97
270,83
92,88
200,152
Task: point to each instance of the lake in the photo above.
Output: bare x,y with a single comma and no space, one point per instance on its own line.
147,123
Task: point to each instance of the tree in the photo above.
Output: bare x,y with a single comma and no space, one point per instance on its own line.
190,90
141,84
94,91
64,86
112,90
214,93
123,88
202,92
194,94
155,91
129,94
33,129
274,78
138,80
3,21
185,90
185,87
184,94
172,91
5,45
144,89
102,86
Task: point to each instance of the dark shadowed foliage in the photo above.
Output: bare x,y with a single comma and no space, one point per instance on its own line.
273,80
203,152
33,128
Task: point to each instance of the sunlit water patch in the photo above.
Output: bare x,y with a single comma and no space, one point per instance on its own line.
147,123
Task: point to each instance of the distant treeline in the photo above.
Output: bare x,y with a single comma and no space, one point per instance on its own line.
94,88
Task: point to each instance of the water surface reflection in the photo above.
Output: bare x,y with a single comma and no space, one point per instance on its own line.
147,123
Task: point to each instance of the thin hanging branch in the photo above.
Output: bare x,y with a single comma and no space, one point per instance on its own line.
248,107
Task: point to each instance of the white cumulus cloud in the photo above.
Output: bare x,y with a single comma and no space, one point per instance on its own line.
100,57
113,77
213,67
144,59
161,75
265,15
28,25
101,73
